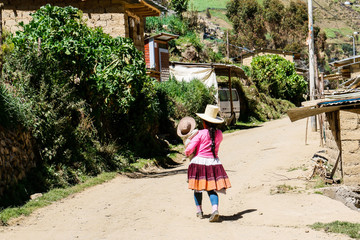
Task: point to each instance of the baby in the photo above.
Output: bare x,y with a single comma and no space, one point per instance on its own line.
186,130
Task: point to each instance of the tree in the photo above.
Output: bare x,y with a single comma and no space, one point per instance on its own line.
296,24
248,23
179,6
274,12
271,25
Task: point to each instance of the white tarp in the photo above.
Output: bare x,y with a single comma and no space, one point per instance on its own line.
204,74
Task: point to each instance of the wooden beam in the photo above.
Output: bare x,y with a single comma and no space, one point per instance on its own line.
143,9
118,1
133,15
334,121
157,11
1,32
133,6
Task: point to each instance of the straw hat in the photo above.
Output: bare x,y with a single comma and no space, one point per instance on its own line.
210,114
185,126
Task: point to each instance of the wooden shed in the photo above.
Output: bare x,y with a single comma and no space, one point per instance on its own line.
339,133
157,55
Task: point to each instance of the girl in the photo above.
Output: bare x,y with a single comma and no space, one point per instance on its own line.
205,172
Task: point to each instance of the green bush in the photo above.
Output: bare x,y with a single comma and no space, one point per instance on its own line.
276,77
14,111
88,96
179,98
171,24
257,106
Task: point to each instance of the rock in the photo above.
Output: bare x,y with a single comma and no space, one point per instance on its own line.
190,54
349,196
35,196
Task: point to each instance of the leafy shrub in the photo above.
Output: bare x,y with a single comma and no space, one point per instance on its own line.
257,106
276,77
171,24
179,98
85,90
13,112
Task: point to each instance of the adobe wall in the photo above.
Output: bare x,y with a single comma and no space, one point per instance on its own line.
350,139
17,157
110,16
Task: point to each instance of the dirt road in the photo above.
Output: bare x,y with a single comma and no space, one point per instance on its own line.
160,206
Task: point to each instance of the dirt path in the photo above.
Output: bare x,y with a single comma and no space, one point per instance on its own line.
161,207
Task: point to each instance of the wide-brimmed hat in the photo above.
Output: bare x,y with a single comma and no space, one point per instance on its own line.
185,126
210,114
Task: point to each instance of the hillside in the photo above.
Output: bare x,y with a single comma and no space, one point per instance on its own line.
335,18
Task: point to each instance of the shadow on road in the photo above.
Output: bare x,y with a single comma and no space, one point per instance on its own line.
156,174
239,127
234,217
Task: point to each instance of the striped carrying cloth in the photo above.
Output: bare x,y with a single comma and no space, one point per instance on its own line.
207,174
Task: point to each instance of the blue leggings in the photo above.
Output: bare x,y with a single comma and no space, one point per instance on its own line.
214,198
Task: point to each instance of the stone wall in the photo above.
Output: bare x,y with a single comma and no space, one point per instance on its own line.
17,157
111,17
350,140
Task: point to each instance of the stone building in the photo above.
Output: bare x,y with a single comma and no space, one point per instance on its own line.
246,58
125,18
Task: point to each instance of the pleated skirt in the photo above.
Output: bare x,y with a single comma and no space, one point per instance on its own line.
207,174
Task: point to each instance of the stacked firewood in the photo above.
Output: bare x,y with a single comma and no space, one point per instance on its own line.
16,157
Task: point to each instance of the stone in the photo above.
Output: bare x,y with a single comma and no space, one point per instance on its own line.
35,196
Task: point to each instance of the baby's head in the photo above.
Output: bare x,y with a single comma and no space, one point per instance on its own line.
185,126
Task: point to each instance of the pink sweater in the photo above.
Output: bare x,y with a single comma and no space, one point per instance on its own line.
202,143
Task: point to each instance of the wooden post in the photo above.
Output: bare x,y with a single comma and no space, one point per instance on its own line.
321,130
230,90
321,87
306,130
334,121
227,45
1,31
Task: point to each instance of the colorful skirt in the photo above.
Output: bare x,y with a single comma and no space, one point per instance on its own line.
207,174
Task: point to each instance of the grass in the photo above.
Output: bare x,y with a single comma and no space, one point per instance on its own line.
347,228
242,125
221,14
332,33
51,197
281,189
141,163
202,5
302,167
318,182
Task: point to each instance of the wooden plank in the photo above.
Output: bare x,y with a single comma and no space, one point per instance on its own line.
334,121
312,103
304,112
1,32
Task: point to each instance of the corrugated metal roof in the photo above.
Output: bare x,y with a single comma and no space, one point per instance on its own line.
332,103
339,102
